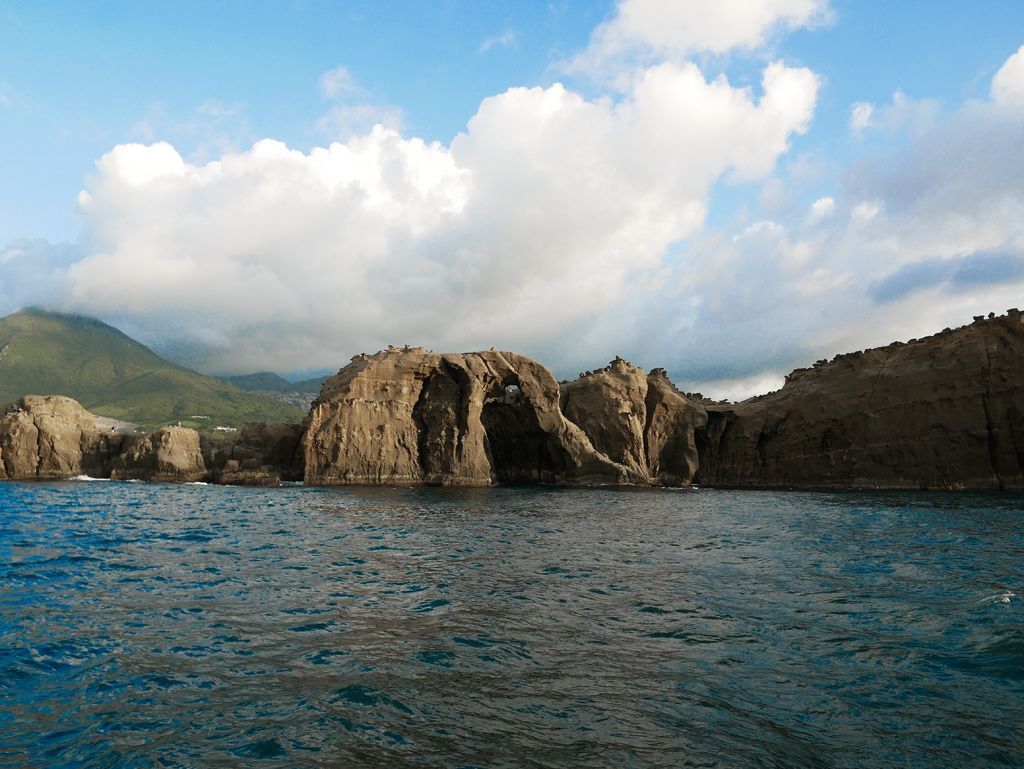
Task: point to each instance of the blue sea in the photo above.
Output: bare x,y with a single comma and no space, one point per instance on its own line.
203,626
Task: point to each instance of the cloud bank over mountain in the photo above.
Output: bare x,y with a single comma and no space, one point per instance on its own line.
568,223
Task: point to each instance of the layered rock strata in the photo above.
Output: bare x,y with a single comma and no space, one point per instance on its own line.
53,437
942,412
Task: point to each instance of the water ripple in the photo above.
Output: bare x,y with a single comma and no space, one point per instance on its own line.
178,626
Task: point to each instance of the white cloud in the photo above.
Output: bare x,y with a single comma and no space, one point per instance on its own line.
354,110
822,208
344,121
860,116
675,29
865,211
921,236
338,83
545,213
507,39
213,128
1008,83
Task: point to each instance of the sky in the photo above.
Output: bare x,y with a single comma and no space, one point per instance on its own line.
726,190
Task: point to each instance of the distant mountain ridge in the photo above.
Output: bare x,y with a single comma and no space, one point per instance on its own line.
111,374
267,381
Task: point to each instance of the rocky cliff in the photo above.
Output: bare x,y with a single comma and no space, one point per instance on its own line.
942,412
53,437
640,421
414,416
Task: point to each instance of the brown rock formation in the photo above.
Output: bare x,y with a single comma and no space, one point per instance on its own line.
940,412
52,437
414,416
166,454
640,421
260,455
670,432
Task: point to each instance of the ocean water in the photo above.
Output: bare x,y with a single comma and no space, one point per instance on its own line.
203,626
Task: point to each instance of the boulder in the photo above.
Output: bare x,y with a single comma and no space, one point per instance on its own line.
53,437
168,454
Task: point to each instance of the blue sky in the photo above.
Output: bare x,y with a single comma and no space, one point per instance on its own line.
211,80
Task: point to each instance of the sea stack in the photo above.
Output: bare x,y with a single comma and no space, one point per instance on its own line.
474,419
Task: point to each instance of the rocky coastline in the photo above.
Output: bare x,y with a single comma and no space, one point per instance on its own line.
943,412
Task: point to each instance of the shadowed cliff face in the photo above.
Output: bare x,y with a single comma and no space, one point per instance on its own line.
940,412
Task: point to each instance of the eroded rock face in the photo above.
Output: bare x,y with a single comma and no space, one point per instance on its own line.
415,416
638,420
670,431
52,437
168,454
940,412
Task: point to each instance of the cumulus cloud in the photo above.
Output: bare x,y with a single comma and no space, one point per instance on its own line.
565,226
545,212
919,235
822,208
656,29
1008,83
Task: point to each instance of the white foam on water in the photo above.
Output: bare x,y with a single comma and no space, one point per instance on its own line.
87,478
1005,597
197,483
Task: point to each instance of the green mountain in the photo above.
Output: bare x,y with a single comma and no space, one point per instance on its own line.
270,382
113,375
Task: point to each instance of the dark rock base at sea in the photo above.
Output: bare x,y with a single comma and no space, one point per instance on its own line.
146,625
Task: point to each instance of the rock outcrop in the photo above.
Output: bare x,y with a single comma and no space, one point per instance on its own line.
942,412
414,416
638,420
53,437
168,454
260,455
673,420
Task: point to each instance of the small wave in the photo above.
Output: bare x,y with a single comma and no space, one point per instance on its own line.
1005,597
87,478
197,483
